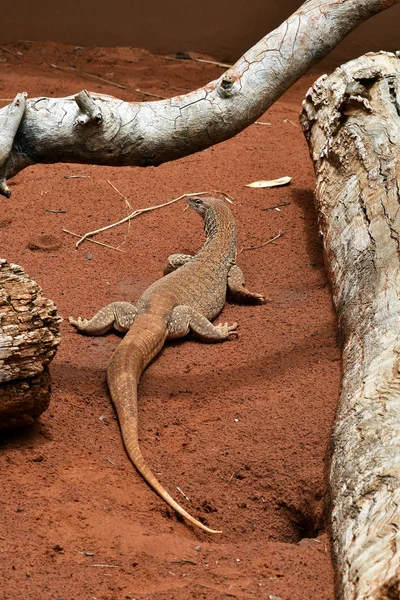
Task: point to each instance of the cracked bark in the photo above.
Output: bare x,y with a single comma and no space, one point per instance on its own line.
98,129
352,125
29,336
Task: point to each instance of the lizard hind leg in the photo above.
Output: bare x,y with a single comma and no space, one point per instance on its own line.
237,288
185,319
119,315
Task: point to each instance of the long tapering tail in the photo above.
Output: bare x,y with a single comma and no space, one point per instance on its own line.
140,345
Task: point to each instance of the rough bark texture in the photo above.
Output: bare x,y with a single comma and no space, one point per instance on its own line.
351,120
24,400
104,130
29,336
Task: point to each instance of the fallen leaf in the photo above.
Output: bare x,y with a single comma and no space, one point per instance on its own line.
270,183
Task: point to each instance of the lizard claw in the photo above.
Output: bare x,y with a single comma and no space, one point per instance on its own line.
260,299
227,330
79,323
232,332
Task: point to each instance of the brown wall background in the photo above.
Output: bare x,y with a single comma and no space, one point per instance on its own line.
221,28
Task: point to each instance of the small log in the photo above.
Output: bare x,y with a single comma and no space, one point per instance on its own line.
351,120
29,336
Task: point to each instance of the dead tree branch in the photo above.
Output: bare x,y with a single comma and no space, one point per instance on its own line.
352,124
98,129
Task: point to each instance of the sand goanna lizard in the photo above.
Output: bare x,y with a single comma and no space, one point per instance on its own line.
186,299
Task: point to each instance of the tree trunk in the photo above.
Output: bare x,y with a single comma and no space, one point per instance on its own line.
29,336
99,129
351,120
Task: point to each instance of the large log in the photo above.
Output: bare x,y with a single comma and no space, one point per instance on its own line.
351,120
98,129
29,336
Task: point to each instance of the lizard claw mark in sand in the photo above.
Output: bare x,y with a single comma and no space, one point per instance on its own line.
186,299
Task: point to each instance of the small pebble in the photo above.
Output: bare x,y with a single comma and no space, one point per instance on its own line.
198,548
89,256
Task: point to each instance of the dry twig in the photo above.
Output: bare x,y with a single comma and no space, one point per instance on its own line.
283,203
291,123
203,60
183,494
212,62
11,52
280,234
134,214
183,561
148,94
93,76
79,72
227,197
128,205
93,241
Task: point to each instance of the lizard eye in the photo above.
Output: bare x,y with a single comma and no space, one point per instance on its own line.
198,202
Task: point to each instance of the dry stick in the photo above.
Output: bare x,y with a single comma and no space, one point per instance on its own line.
118,85
128,205
227,197
280,234
71,69
291,122
10,52
148,94
203,60
93,241
183,494
132,216
283,203
120,193
212,62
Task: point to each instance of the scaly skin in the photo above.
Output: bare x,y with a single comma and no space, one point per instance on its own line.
184,300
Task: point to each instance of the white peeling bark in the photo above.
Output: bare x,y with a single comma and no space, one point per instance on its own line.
351,120
29,336
90,128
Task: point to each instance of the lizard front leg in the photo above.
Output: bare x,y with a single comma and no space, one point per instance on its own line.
237,288
185,319
119,315
174,261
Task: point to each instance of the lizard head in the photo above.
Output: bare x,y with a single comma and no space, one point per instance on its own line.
202,205
215,213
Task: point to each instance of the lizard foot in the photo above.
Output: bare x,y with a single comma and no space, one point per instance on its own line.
227,330
79,323
259,298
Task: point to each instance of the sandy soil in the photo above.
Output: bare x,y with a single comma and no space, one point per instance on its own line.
241,428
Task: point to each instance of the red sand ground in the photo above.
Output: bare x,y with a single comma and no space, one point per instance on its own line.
242,427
